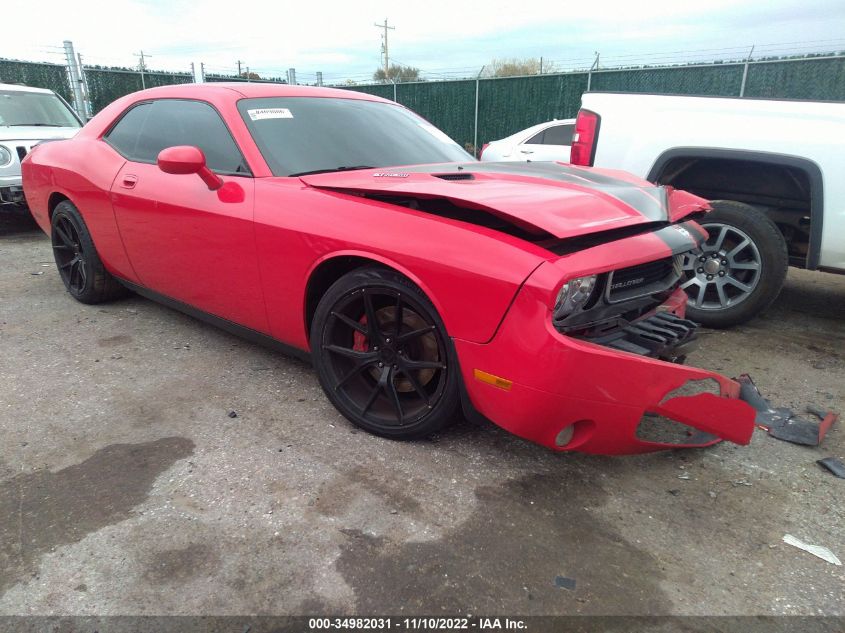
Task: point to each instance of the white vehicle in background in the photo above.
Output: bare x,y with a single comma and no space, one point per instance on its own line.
28,116
545,141
774,171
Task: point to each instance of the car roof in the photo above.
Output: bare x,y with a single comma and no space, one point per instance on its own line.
531,131
250,90
22,88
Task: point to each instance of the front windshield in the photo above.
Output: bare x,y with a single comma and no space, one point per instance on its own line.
19,108
299,135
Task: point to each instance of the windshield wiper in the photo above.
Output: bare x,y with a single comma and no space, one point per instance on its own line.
35,125
327,171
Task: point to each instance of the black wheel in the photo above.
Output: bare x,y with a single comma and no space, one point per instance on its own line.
383,356
739,270
77,260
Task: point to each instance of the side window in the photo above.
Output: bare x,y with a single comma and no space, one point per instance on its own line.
537,139
124,135
558,135
172,122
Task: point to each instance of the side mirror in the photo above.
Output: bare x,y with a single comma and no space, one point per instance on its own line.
187,159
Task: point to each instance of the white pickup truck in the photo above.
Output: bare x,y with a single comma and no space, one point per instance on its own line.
774,171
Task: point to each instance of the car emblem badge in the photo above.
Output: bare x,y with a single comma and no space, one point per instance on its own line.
389,174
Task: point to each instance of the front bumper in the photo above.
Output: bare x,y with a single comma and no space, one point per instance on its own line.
11,189
570,394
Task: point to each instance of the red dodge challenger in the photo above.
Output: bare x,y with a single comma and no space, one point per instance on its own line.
345,228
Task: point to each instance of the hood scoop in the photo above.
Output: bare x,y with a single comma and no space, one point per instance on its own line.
455,176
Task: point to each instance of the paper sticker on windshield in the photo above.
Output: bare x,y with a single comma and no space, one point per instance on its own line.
440,136
257,114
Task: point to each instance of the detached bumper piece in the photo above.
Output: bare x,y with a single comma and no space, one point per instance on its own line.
662,335
782,423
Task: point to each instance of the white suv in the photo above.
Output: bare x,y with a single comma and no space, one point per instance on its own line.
27,117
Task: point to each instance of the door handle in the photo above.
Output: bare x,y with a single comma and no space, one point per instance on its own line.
526,151
129,181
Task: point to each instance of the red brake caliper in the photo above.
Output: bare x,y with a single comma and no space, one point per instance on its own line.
361,343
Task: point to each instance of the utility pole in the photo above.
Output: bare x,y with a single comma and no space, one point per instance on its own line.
247,74
75,80
142,66
319,78
239,68
384,48
541,65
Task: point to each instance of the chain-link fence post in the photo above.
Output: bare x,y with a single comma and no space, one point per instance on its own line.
745,72
475,124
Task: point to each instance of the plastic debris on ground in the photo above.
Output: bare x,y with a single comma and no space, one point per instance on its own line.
565,583
816,550
782,423
833,465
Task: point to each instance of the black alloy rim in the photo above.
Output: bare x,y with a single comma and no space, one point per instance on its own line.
70,259
384,357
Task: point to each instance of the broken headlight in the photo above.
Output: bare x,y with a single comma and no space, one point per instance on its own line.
573,295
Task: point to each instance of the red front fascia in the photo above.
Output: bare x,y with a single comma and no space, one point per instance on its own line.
558,380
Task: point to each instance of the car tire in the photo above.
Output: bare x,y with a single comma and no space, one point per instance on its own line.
739,271
77,260
398,379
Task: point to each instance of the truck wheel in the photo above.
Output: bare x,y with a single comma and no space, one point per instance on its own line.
739,270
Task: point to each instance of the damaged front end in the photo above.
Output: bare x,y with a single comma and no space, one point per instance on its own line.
593,363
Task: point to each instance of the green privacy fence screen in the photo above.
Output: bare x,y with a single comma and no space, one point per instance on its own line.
723,80
106,85
507,105
819,79
504,105
39,75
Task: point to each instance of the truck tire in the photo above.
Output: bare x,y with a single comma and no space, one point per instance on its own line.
739,271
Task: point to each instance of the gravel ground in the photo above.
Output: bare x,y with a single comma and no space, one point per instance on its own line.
126,488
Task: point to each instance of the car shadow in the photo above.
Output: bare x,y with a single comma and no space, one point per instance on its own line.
16,222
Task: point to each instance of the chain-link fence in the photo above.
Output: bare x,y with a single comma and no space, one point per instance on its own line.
509,104
37,74
474,111
101,85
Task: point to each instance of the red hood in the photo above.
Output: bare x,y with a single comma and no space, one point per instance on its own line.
563,200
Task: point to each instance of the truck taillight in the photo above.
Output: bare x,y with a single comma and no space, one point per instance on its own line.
584,139
483,147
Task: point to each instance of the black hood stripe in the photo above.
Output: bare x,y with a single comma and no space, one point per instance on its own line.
651,201
680,238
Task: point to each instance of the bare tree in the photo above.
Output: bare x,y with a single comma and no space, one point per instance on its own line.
513,67
397,74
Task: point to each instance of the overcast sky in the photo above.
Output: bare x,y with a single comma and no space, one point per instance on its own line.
443,38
